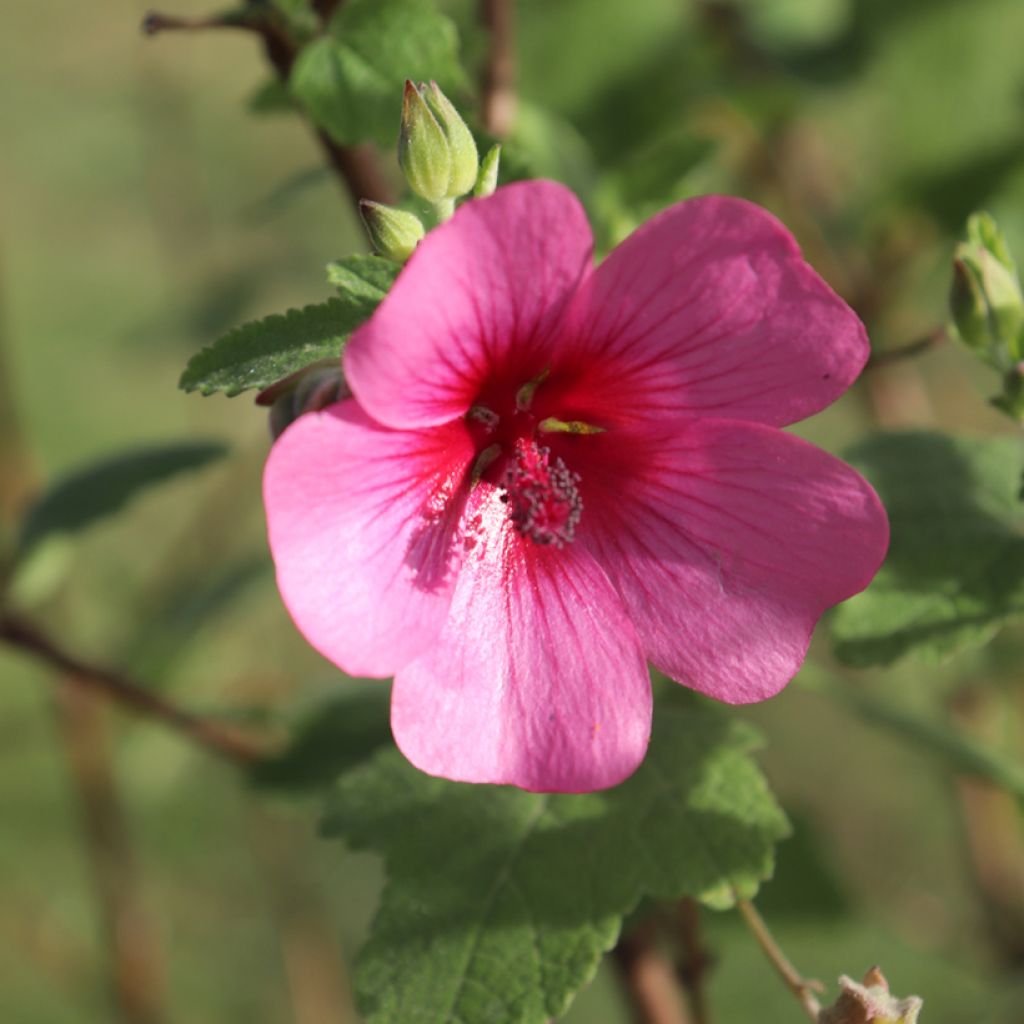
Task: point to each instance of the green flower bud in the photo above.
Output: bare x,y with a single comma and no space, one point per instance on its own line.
423,152
435,148
465,162
985,296
487,181
394,234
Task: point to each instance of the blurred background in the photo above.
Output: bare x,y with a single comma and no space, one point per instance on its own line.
152,197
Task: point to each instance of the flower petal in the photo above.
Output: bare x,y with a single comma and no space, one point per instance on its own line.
363,524
727,541
709,309
482,293
537,678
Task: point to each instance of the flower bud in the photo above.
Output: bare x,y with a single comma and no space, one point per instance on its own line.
394,234
985,297
870,1003
435,148
307,390
465,161
487,181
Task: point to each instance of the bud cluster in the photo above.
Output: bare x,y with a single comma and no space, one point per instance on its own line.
438,157
988,307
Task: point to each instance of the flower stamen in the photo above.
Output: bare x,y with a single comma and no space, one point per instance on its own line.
556,426
543,500
524,396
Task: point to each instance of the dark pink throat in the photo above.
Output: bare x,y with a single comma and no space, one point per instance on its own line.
515,430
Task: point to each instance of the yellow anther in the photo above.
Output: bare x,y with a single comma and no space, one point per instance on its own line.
553,426
524,396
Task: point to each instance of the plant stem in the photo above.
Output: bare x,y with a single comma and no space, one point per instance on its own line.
915,348
694,960
222,740
498,78
647,976
357,167
801,987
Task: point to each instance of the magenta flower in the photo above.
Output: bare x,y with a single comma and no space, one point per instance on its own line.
550,475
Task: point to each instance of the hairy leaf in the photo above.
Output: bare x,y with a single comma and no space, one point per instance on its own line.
363,277
500,903
955,569
351,80
262,352
99,489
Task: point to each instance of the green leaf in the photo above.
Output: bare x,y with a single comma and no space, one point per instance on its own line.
351,80
263,352
955,569
97,490
500,903
366,278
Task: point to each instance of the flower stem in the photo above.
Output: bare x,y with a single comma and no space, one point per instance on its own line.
800,986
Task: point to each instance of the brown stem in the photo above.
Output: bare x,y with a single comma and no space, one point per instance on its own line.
915,348
498,78
357,167
220,739
801,987
694,960
155,22
136,960
647,976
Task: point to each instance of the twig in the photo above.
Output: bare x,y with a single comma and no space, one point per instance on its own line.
136,966
211,735
648,978
498,79
915,348
694,960
357,167
155,22
801,987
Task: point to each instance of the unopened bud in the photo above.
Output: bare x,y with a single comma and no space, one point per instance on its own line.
435,148
465,161
487,180
308,390
985,296
394,234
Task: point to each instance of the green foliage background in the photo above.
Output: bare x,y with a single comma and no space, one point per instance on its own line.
144,212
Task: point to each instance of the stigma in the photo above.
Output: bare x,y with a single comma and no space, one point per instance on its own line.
542,495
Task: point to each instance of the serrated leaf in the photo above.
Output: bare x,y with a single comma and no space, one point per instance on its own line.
262,352
363,277
500,903
102,488
955,569
351,80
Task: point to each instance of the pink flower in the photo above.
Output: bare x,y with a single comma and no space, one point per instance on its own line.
550,475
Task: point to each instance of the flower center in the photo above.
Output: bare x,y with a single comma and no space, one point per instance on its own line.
539,489
543,501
